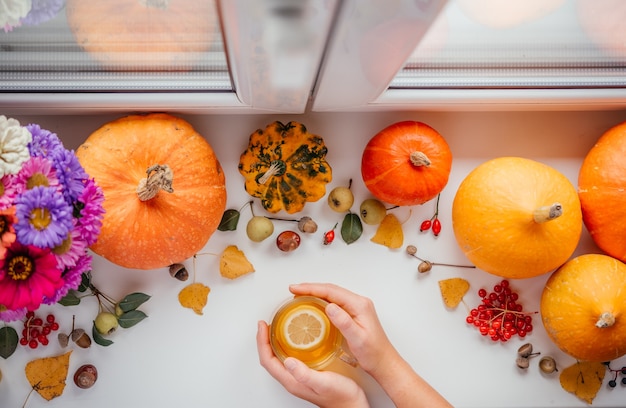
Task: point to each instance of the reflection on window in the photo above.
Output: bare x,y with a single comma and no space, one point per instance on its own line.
48,45
530,43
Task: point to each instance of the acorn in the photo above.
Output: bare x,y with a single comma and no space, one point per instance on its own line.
85,376
179,272
81,338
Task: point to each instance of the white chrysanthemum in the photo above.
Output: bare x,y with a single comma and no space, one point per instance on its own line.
12,11
14,140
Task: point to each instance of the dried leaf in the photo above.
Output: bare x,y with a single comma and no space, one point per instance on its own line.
389,232
453,290
194,296
229,221
47,375
351,228
233,263
583,379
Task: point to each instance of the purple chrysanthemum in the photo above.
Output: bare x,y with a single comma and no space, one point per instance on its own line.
90,220
44,218
70,173
42,11
12,315
44,142
72,278
8,189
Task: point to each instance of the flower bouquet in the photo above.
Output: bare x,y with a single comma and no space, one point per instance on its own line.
50,213
14,13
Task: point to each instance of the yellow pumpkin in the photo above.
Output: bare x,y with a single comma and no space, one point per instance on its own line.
164,189
516,218
285,166
583,308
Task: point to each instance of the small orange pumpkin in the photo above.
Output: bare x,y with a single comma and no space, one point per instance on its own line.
583,308
516,218
407,163
153,34
164,189
601,185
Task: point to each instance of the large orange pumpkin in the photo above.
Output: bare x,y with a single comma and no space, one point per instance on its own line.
143,34
601,188
164,189
583,308
516,218
407,163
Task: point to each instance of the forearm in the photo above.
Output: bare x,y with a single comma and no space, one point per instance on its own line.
404,386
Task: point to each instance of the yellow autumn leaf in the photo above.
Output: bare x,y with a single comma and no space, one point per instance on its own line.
453,290
47,375
389,232
583,379
194,296
233,263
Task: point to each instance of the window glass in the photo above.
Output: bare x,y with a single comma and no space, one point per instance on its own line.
84,45
530,43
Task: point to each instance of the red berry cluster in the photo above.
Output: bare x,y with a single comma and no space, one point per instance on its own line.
499,316
36,330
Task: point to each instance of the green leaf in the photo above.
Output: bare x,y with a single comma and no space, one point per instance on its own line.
351,228
129,319
133,301
8,341
70,299
98,338
229,221
85,282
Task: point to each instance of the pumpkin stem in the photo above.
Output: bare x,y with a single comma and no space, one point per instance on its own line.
159,177
277,167
419,159
607,319
548,212
160,4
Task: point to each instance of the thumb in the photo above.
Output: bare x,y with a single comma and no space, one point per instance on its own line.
300,371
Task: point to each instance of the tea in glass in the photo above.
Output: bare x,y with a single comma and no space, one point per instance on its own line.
301,329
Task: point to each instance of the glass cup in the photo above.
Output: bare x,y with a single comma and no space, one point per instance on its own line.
301,329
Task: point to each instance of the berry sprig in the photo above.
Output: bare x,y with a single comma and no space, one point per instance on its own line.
433,222
616,373
36,330
500,316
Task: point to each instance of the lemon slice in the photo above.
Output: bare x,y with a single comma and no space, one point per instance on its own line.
305,327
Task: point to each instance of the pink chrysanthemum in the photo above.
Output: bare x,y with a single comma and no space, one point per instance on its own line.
70,250
36,171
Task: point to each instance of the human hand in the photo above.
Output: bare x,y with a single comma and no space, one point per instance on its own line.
322,388
355,316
